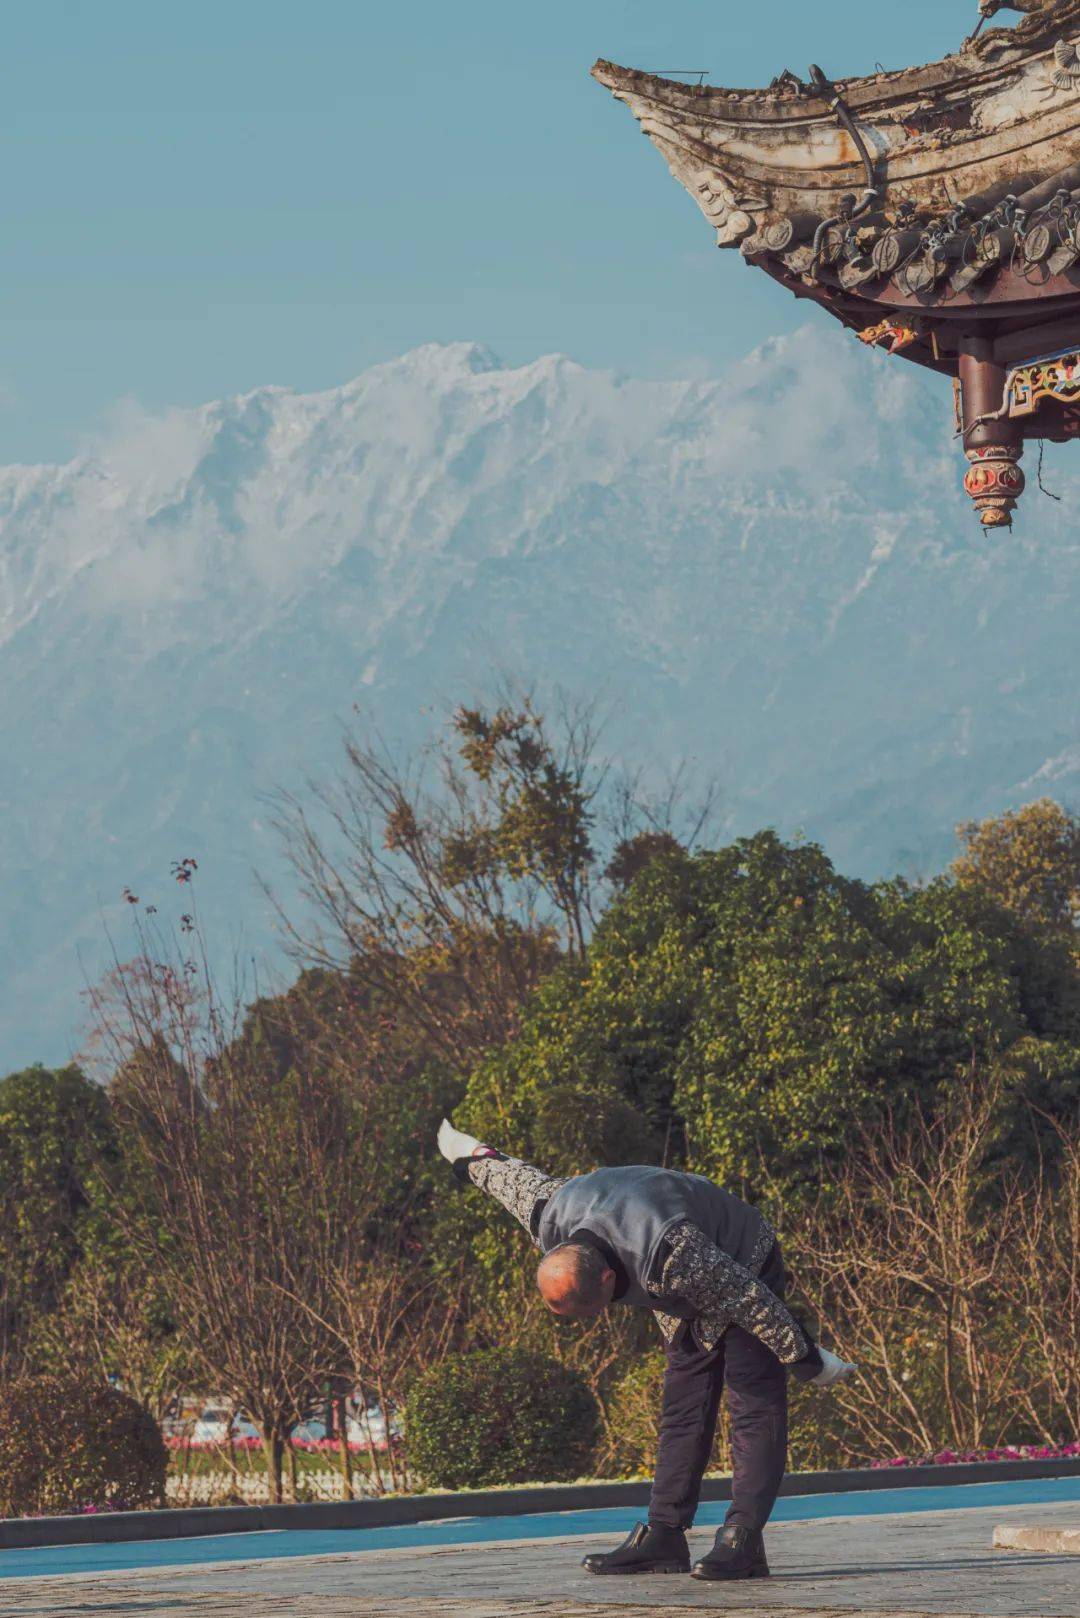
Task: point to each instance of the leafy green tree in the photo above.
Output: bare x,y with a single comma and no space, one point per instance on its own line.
115,1322
56,1135
633,854
540,826
392,1081
114,1319
1029,860
751,1004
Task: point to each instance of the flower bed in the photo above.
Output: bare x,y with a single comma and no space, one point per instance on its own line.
1009,1452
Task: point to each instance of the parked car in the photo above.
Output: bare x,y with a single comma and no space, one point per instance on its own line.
366,1427
217,1425
374,1428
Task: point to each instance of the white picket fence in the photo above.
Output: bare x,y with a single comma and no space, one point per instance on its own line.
214,1488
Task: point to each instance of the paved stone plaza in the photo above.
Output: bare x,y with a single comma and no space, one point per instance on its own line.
898,1566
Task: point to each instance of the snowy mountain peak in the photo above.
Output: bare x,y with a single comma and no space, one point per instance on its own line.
447,363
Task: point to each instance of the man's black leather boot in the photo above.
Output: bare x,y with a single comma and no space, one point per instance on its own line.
644,1550
739,1553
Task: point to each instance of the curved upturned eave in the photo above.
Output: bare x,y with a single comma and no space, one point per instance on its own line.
800,157
880,91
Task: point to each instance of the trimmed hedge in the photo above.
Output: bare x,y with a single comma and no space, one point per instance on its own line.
500,1416
68,1446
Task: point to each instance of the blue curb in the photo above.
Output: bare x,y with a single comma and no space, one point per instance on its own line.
121,1526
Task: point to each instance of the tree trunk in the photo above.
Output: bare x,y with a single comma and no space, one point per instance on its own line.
955,1424
377,1481
395,1460
274,1449
344,1451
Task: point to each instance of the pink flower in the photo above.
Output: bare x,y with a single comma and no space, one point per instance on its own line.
1007,1452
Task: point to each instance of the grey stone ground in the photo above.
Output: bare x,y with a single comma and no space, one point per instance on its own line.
881,1567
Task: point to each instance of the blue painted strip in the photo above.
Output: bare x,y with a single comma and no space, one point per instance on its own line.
49,1561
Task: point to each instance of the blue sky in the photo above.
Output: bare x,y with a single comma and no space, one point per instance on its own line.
205,197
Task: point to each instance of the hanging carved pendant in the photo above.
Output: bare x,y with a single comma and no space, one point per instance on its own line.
995,483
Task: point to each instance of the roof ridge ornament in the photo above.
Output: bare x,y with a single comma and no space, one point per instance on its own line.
990,8
1038,17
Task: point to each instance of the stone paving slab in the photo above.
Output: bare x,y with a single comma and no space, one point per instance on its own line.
874,1567
1038,1537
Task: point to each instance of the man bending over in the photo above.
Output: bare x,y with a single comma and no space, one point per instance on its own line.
709,1267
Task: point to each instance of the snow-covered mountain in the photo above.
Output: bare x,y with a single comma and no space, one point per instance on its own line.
775,572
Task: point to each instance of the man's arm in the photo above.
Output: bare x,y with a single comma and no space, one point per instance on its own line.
521,1189
714,1283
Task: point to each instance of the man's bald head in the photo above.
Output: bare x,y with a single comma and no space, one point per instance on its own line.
575,1281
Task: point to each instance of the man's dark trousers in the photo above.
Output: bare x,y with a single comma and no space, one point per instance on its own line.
756,1384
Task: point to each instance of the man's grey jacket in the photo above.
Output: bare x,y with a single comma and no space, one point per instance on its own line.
679,1245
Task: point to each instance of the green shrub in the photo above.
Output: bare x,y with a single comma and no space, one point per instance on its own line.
68,1446
633,1417
500,1416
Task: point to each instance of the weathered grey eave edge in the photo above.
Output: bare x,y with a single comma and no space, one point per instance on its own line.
115,1527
